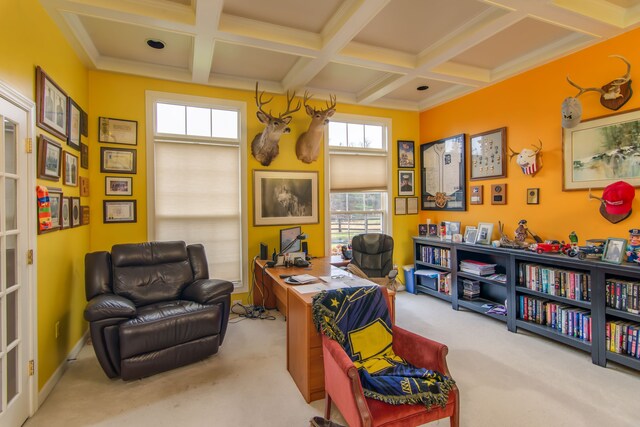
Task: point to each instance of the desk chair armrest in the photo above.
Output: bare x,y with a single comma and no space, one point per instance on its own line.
342,384
420,351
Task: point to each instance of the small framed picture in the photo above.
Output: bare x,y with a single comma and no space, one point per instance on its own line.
433,230
115,211
412,205
533,196
453,227
401,206
52,105
406,154
118,131
75,211
84,215
117,160
118,186
476,195
65,213
405,183
49,158
498,194
84,156
74,126
470,234
84,186
484,233
70,169
614,250
423,229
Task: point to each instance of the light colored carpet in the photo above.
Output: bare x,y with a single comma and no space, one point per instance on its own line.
505,379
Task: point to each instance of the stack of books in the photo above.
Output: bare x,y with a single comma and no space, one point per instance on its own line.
477,267
471,289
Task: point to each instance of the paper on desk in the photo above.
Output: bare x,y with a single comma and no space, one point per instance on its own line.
301,278
309,289
346,281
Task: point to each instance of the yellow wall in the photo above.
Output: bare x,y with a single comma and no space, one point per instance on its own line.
131,106
33,39
529,106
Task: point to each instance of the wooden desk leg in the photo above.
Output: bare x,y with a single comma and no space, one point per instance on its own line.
263,294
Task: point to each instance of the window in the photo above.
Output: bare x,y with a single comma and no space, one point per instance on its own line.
196,175
358,178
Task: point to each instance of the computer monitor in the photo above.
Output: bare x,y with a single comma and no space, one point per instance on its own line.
287,235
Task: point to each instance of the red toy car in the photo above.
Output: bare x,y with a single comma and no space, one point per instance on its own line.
552,246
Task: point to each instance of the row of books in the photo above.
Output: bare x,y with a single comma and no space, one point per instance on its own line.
623,338
623,295
571,321
444,284
436,256
477,267
433,280
554,281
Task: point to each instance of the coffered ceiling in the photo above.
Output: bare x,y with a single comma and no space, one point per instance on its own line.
367,52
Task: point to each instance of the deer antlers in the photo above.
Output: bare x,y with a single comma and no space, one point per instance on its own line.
332,98
610,93
260,103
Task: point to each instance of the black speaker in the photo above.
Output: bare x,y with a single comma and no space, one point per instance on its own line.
305,248
264,251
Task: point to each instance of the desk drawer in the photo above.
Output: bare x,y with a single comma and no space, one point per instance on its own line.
316,370
315,338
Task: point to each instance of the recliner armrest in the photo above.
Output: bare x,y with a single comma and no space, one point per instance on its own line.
420,351
206,291
107,306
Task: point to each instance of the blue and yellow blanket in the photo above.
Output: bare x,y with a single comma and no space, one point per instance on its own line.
358,319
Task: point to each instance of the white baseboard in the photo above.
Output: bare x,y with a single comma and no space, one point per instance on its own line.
48,387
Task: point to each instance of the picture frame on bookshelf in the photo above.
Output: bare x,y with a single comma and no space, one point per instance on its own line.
614,250
453,227
470,234
433,230
484,233
423,229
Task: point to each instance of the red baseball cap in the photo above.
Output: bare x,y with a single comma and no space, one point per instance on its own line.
618,197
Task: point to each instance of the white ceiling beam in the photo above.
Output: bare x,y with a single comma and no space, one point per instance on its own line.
207,20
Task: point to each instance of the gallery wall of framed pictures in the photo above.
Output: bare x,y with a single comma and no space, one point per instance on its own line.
60,153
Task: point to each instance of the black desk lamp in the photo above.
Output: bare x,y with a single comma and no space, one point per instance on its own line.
301,236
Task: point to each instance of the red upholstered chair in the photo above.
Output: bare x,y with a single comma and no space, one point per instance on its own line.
342,385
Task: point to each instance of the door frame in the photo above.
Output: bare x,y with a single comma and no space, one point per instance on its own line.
29,107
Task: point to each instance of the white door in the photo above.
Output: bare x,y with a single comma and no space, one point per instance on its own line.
14,280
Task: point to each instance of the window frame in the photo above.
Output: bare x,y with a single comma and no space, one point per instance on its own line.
154,97
386,123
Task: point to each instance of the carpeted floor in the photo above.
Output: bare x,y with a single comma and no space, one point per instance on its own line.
505,379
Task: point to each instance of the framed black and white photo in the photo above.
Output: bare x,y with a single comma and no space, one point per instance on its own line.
406,183
470,234
70,168
52,105
65,213
488,152
484,233
614,250
118,186
117,160
117,131
442,166
49,158
74,126
75,211
285,197
115,211
406,154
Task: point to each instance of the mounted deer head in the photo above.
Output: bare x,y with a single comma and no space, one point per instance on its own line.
528,159
308,144
264,146
613,95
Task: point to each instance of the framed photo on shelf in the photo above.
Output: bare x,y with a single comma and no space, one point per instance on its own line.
117,131
70,169
285,197
75,211
453,227
442,167
406,183
488,154
49,158
401,206
52,105
115,211
412,205
614,250
423,229
484,233
533,196
117,160
54,208
84,156
118,186
595,153
74,126
406,154
470,234
65,213
433,230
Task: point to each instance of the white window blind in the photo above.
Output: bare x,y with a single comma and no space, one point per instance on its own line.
358,172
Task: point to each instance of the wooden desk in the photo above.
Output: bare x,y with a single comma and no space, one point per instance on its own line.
304,343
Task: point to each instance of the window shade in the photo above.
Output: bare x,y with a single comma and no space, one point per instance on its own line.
358,172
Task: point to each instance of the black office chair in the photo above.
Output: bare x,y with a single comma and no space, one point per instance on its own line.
373,259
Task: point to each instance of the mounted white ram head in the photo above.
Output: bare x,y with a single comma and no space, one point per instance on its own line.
264,146
529,160
308,144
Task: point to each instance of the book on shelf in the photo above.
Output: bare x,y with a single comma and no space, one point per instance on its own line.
477,267
471,289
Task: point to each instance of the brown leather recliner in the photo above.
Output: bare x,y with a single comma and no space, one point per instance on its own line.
152,307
